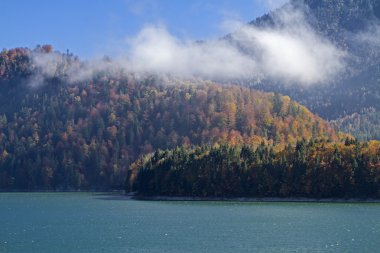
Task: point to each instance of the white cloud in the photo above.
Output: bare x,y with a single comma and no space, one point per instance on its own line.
141,7
293,52
290,53
155,50
273,4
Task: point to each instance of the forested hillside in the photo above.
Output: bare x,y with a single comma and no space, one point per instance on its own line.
316,169
60,134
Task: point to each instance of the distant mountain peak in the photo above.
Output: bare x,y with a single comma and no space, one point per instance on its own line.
350,15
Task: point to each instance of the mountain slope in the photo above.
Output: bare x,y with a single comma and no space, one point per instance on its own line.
58,134
354,28
364,125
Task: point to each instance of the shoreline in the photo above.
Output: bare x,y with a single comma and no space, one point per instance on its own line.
121,195
64,191
254,200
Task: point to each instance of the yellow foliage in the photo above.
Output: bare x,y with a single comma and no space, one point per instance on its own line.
77,99
4,154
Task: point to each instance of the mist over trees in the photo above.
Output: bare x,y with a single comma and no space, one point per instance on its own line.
68,124
60,134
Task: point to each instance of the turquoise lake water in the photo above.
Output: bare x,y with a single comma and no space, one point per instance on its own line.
88,222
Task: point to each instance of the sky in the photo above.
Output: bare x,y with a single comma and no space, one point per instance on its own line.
93,28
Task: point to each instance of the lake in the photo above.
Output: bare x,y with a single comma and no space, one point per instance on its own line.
90,222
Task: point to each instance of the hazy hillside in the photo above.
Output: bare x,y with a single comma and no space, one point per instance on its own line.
56,133
364,125
353,27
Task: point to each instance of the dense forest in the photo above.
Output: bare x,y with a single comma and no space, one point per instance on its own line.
59,134
315,168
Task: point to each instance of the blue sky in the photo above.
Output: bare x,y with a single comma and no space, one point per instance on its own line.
91,28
